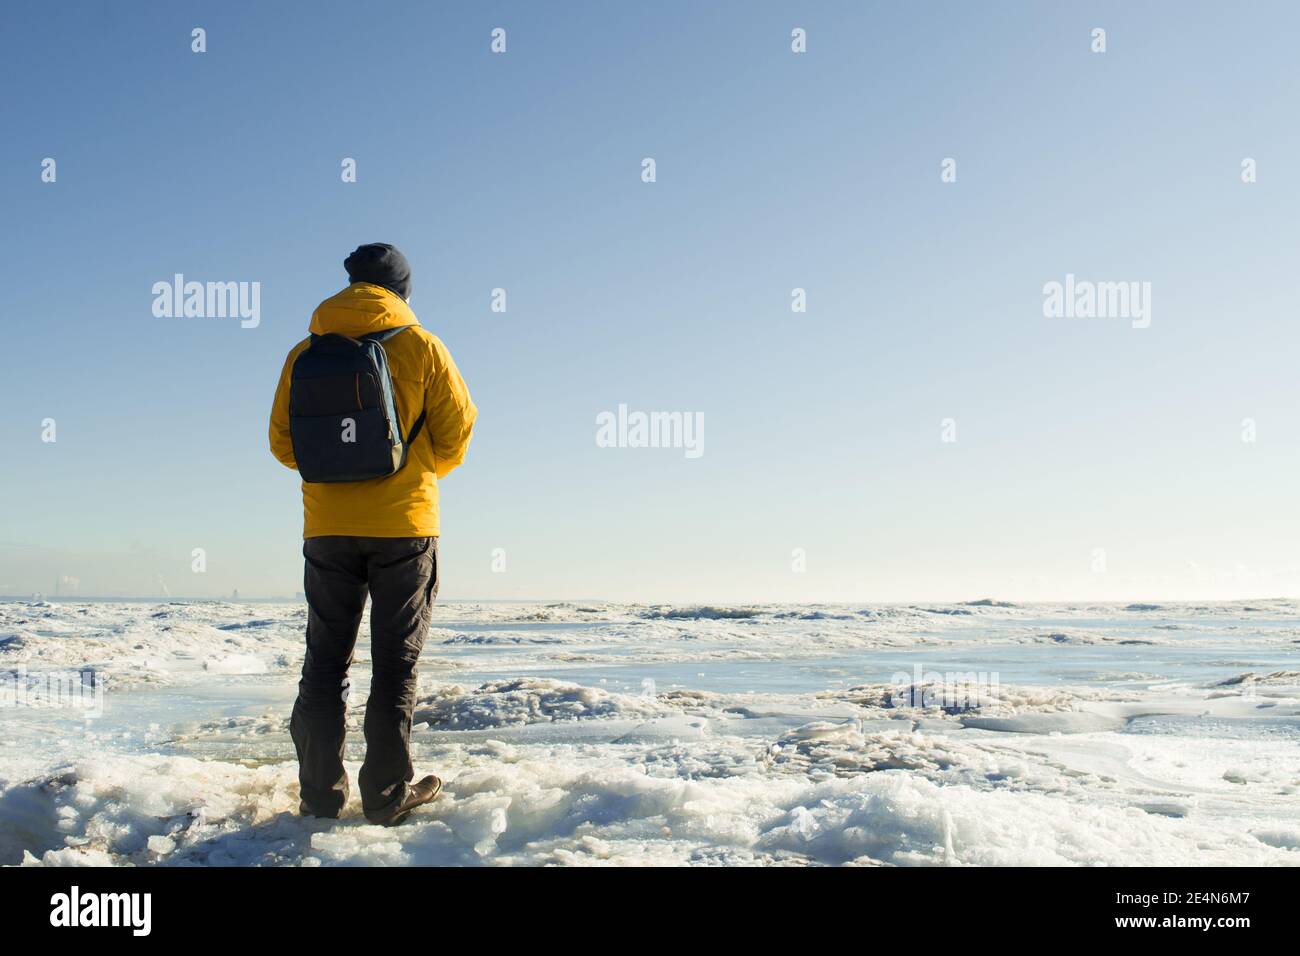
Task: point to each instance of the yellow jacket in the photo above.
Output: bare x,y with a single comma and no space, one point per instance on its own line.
404,504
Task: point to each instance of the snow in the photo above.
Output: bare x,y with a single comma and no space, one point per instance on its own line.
525,700
619,734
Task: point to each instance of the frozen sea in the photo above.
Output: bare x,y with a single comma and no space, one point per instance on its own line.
605,734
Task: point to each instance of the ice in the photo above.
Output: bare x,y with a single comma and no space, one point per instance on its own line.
527,700
235,664
1287,838
697,612
563,804
1072,723
614,734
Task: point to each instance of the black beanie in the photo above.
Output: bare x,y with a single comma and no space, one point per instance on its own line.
380,264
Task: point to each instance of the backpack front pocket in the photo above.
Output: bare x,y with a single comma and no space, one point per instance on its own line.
352,446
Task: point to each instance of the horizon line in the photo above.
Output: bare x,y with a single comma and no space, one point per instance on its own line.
976,602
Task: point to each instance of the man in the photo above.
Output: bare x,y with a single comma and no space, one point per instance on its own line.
379,534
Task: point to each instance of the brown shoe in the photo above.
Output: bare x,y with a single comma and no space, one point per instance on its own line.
417,794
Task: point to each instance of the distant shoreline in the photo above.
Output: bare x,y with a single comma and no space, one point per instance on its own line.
1152,604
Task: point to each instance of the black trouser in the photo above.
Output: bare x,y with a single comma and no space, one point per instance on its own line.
402,577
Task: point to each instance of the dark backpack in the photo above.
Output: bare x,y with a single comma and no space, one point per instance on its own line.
342,416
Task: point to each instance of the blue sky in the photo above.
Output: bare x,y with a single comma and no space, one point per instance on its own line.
775,170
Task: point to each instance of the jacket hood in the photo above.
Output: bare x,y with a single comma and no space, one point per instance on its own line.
360,309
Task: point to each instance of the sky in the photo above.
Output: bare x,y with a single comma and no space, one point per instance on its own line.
921,432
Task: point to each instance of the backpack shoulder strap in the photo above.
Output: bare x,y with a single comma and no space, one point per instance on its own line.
384,336
415,429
